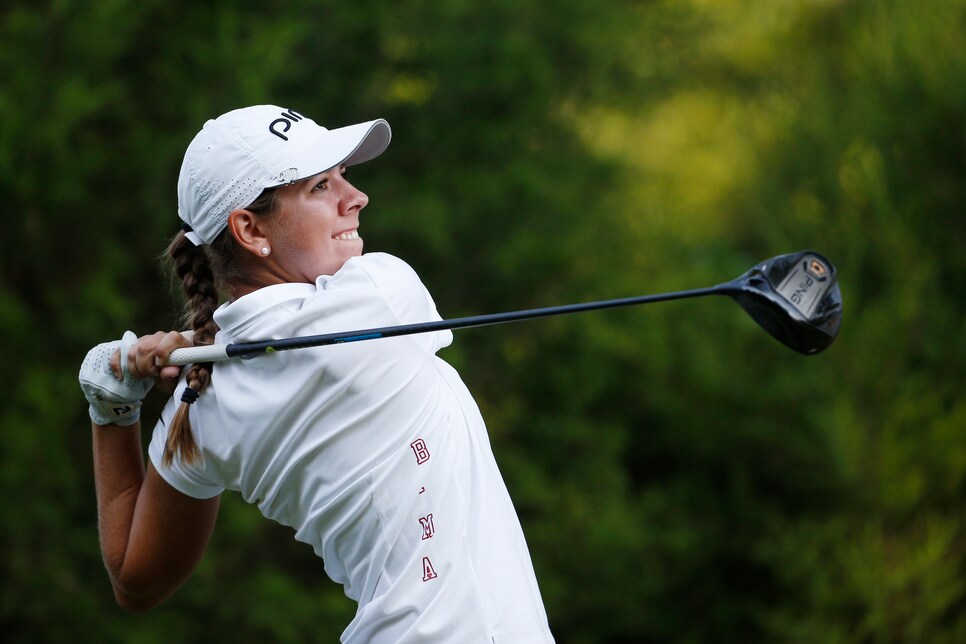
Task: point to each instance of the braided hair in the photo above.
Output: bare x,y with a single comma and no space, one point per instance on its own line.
206,274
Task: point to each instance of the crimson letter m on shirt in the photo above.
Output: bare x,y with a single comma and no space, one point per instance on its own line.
428,528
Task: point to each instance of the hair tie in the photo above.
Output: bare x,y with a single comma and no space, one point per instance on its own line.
189,395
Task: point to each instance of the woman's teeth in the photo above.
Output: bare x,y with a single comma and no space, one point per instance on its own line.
352,234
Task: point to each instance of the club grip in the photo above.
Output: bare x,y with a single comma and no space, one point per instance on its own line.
194,355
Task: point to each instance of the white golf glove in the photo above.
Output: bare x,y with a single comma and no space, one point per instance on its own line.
113,401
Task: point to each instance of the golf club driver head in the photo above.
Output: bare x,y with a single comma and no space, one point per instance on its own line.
794,297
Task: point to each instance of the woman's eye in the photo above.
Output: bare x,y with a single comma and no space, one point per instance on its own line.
321,185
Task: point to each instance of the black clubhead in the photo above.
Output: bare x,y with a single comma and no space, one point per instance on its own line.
794,297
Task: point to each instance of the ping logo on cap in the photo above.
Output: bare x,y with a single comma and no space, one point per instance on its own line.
284,123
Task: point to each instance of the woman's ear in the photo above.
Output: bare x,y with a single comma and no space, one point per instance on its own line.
248,232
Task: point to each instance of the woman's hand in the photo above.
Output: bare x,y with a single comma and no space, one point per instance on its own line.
144,356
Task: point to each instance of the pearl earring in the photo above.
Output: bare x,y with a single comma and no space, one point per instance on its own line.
265,251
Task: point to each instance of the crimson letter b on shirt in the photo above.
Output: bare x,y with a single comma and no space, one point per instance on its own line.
420,450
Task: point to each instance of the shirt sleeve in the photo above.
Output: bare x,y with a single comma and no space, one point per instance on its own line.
187,479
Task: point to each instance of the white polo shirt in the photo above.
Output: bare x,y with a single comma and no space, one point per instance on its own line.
374,452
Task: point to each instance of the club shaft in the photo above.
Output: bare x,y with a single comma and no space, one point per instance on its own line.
245,349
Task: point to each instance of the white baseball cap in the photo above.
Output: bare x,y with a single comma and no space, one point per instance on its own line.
241,153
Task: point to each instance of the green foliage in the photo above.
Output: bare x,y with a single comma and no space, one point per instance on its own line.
680,476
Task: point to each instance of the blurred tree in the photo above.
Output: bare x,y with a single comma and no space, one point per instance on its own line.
836,126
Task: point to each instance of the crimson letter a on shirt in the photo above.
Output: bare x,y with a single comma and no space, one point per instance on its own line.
428,571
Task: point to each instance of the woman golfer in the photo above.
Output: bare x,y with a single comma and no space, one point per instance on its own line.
374,453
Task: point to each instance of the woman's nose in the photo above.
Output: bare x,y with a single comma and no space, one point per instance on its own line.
355,199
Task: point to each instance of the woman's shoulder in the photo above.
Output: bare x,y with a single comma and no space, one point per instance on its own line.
380,269
396,284
384,261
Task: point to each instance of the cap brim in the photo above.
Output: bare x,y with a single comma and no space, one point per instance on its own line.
349,145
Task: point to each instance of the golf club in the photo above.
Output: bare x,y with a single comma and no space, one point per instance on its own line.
793,297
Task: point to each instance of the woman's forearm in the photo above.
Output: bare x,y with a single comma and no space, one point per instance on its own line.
118,476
